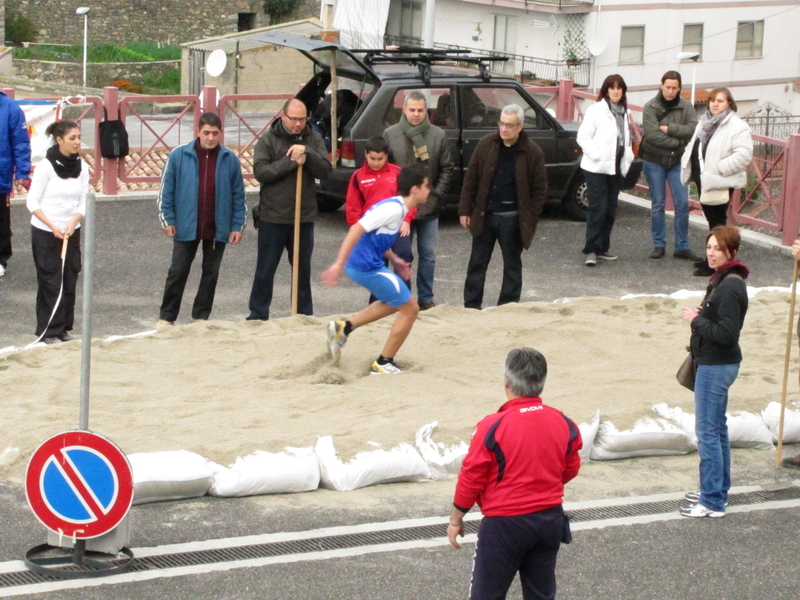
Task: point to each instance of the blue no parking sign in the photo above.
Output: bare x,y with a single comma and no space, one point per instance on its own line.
79,484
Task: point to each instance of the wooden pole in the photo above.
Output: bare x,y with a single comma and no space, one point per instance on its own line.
334,110
786,372
298,201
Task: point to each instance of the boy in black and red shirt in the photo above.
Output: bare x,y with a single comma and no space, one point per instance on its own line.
376,180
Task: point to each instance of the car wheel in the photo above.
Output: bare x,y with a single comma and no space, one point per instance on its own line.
576,203
327,204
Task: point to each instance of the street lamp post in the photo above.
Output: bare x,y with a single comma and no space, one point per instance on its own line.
84,10
692,56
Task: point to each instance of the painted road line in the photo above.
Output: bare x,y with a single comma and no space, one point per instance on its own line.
42,588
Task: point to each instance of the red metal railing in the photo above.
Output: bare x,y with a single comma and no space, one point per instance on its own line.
94,103
248,127
771,200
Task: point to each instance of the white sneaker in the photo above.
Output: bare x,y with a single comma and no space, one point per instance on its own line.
337,338
2,270
390,368
698,510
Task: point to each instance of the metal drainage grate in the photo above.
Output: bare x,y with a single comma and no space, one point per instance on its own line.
355,540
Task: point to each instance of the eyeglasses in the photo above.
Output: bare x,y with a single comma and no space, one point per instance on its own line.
296,119
502,125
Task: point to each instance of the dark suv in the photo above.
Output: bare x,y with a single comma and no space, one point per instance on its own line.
465,101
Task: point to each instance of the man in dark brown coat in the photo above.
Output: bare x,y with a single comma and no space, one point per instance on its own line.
502,196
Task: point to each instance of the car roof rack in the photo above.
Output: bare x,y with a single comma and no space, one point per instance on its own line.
425,58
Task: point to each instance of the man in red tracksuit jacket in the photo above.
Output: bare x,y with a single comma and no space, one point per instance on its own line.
376,180
518,462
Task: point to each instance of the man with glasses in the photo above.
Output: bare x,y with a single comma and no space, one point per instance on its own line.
287,143
504,190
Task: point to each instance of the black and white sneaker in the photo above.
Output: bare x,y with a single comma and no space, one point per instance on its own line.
337,338
390,368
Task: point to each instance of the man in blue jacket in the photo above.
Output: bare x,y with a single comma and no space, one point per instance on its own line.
15,160
201,200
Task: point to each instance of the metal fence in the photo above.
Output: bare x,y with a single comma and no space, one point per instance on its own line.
779,126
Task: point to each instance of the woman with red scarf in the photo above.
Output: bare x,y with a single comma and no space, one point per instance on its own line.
715,347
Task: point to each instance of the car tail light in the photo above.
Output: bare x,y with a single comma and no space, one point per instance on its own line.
348,153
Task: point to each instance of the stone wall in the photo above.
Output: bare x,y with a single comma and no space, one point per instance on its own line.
98,75
166,21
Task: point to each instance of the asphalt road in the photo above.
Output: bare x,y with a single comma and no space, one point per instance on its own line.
746,556
133,256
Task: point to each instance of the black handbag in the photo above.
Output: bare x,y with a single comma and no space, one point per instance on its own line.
687,372
631,178
113,138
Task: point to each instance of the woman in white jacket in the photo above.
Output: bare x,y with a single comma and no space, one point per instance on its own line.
57,203
604,136
716,159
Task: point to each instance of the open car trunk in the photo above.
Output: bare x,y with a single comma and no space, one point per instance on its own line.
359,78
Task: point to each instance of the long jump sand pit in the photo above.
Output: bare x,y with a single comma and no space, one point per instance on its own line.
225,389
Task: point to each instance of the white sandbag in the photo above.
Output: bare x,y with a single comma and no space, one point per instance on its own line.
748,430
443,461
682,419
791,422
172,475
745,430
401,463
588,433
649,437
295,470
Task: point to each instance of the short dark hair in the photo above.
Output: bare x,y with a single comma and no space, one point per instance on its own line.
58,129
209,118
377,144
613,81
525,372
728,239
672,75
411,176
722,90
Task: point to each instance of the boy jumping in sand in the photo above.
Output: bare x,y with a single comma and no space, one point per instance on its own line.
361,257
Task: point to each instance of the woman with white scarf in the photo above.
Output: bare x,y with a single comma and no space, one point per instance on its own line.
57,203
716,160
605,137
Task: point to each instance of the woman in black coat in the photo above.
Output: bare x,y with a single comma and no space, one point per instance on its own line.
715,347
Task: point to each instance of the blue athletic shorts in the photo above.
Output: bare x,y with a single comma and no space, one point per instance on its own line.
383,284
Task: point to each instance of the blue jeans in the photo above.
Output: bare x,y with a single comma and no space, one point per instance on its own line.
426,232
657,178
711,427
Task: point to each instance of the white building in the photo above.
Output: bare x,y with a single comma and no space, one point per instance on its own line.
749,46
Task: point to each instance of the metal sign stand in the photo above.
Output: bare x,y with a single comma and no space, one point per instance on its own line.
107,554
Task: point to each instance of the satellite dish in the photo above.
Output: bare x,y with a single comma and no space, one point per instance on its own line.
597,45
215,63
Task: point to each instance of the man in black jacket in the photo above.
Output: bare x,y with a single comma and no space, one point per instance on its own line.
505,188
668,122
288,143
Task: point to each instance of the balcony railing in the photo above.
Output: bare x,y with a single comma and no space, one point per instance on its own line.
527,69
